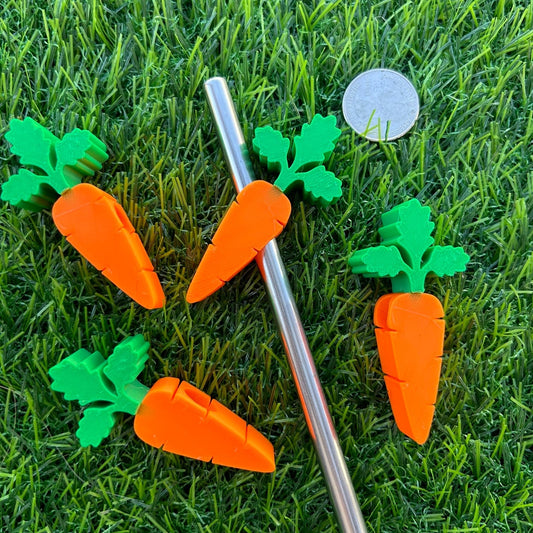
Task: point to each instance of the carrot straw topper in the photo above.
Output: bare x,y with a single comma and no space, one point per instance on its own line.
172,415
261,210
91,220
410,325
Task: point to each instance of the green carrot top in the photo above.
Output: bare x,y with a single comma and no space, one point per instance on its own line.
110,385
407,254
57,164
310,149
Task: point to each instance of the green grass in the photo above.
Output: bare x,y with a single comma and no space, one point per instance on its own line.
132,72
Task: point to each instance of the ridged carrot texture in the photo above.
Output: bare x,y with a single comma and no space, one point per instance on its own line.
172,415
410,325
91,220
261,210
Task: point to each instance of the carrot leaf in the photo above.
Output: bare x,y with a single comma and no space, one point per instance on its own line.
57,165
95,425
127,361
407,226
26,190
80,377
311,148
109,386
272,148
316,142
380,261
446,260
79,153
32,143
407,254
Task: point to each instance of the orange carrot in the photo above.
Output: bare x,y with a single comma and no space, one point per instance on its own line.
99,228
410,329
172,415
258,215
410,339
184,420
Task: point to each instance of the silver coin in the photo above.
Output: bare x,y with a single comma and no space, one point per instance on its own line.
381,104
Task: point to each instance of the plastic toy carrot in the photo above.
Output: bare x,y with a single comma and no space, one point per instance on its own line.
410,325
172,415
92,220
257,216
261,210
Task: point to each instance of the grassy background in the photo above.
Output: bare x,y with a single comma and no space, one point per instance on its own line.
132,71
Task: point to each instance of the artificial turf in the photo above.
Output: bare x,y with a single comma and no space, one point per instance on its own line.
132,72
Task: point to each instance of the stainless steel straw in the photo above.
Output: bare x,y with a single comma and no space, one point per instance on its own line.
292,332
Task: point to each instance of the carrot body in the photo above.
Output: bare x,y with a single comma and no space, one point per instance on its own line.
99,228
257,216
183,420
410,338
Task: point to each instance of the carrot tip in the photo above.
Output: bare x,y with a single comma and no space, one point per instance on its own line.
412,416
203,284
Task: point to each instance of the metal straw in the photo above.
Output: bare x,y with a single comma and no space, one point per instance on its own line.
292,332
